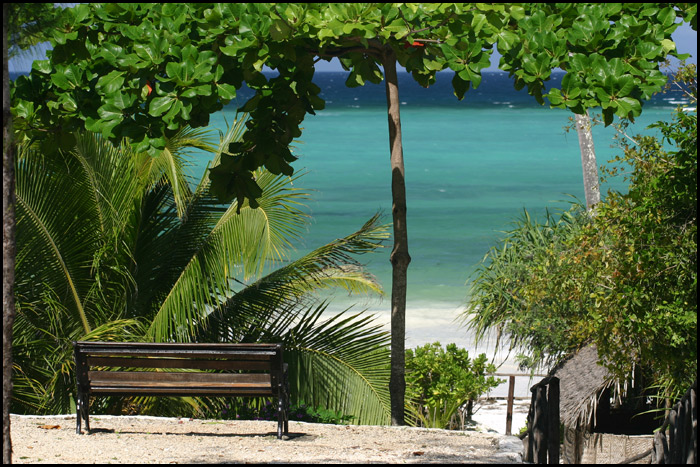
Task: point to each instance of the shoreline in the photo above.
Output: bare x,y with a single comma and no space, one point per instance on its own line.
428,322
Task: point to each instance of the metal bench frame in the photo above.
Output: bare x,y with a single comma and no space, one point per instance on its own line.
258,370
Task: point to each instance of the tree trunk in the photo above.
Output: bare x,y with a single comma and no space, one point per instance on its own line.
588,161
8,245
400,258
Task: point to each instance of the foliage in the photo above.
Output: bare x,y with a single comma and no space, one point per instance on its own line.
30,24
142,71
267,410
114,245
625,278
439,381
512,291
649,311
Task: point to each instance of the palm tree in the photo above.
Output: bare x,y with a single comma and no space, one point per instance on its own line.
114,245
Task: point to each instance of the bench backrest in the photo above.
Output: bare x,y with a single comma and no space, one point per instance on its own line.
255,368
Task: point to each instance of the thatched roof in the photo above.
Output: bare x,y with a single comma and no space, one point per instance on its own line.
581,381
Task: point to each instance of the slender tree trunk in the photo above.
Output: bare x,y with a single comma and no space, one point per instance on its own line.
589,165
8,245
400,258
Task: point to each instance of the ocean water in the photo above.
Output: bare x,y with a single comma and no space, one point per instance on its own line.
471,169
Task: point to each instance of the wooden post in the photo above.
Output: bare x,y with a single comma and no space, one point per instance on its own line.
692,457
553,421
509,409
671,438
540,429
660,448
530,454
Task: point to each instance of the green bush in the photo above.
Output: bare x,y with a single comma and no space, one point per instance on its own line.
623,277
441,381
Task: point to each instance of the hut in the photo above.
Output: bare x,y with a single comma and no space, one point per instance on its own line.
597,414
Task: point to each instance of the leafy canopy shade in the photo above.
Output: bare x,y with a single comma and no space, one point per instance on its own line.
143,70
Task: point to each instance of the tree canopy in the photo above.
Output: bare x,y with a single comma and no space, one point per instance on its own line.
145,70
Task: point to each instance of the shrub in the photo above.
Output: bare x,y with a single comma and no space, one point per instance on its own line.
440,382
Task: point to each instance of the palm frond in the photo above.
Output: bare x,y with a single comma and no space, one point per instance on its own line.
111,179
342,363
331,265
55,238
238,245
172,164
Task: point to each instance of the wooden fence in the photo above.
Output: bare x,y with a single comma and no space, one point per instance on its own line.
543,423
676,442
680,445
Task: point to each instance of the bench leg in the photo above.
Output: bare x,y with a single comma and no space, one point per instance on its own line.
286,408
82,410
283,410
280,416
77,418
78,412
86,416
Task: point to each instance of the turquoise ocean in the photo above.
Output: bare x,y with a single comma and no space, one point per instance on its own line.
472,167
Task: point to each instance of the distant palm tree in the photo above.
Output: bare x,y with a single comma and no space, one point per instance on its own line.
114,245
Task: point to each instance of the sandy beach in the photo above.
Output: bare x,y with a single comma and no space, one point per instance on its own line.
150,440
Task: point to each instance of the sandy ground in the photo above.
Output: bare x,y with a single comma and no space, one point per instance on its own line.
491,414
126,439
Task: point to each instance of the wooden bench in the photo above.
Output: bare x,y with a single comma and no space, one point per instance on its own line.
242,370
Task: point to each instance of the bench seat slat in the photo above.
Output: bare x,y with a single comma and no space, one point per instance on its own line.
148,349
147,377
184,392
180,385
257,355
193,364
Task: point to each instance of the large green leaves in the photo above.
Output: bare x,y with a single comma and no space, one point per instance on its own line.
146,70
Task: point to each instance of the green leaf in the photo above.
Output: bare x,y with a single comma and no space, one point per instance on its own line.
460,86
121,100
555,98
506,40
517,12
42,66
608,115
627,106
478,22
649,50
667,16
226,91
111,52
110,112
110,83
668,45
148,52
280,30
23,109
68,78
161,105
130,61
